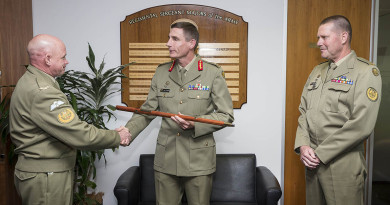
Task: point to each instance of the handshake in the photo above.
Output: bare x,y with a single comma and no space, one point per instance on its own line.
125,135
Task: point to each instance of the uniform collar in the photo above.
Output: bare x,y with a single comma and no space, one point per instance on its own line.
192,71
343,66
188,66
43,79
338,63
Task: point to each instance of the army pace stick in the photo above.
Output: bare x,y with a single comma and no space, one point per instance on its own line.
165,114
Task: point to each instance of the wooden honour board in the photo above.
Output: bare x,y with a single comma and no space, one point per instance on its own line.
223,39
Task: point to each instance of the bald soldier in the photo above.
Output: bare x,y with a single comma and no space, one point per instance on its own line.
185,152
339,107
46,131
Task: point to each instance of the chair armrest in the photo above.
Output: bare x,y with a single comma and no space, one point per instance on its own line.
127,188
267,187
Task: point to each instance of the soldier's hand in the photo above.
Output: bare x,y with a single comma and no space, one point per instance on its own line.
125,135
308,157
184,124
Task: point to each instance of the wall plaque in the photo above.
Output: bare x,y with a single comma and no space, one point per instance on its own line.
223,40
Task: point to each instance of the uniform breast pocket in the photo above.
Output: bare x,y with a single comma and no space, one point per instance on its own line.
312,89
309,98
165,97
337,98
199,101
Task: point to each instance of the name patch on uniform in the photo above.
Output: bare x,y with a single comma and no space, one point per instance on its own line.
375,71
56,104
372,94
66,116
165,90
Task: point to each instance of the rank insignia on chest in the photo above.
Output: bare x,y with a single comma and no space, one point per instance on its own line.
198,87
343,80
200,65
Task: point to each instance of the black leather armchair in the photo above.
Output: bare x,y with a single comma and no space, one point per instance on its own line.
237,181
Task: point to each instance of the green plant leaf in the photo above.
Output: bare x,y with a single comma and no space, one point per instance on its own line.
111,107
87,92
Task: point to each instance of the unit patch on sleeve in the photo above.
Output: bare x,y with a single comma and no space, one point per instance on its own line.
66,116
372,94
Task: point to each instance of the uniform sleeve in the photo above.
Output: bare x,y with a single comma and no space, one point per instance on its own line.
138,122
52,113
367,99
223,107
302,135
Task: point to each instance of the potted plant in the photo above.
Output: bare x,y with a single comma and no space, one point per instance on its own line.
87,93
4,127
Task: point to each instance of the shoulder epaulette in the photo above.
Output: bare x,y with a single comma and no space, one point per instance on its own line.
165,63
365,61
323,62
42,84
211,63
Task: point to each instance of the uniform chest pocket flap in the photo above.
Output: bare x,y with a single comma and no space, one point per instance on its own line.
340,87
200,95
337,97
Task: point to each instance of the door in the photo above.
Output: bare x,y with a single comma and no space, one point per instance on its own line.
304,17
15,32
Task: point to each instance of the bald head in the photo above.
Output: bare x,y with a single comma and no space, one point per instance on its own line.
47,53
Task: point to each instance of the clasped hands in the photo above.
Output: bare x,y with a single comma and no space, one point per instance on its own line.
125,135
308,157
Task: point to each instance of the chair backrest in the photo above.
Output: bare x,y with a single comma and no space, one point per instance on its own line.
234,180
148,193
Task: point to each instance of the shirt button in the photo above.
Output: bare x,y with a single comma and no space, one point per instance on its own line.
181,102
197,96
182,90
178,134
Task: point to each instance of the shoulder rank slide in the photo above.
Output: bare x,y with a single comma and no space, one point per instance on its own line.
200,65
173,65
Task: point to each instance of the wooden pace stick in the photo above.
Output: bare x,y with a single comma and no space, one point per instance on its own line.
165,114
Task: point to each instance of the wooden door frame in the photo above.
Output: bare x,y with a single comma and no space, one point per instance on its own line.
301,57
16,30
